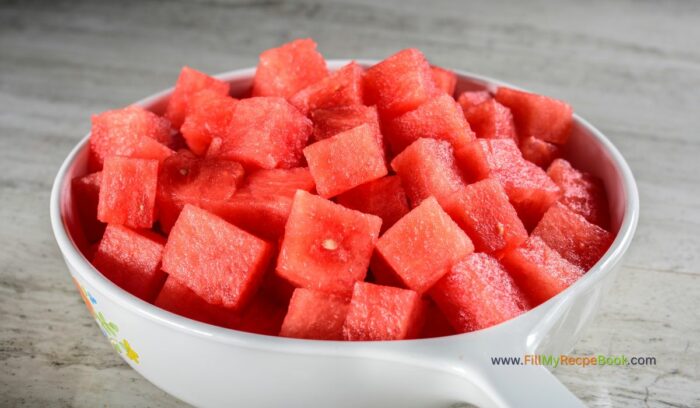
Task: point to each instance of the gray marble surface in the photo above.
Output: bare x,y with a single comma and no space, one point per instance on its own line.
631,67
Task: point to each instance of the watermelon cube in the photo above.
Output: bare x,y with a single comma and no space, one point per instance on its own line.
399,83
487,118
188,84
220,262
128,192
478,293
315,315
341,88
187,179
538,151
428,168
437,118
330,122
264,133
209,115
381,273
379,312
436,324
423,245
262,315
538,116
86,194
131,260
177,298
286,70
279,181
539,271
582,192
384,197
345,161
577,240
326,246
445,80
131,132
528,187
483,211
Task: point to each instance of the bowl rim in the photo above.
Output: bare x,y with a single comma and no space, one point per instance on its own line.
74,257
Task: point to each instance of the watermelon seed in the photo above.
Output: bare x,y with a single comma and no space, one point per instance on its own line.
501,228
184,171
329,244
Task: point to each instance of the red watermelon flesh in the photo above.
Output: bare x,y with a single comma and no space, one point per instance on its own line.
538,116
487,118
539,270
262,315
345,161
86,195
576,239
315,315
582,192
478,293
209,115
444,79
131,260
187,179
264,133
279,181
428,168
177,298
188,84
330,122
381,273
218,261
341,88
399,83
128,192
529,188
483,211
538,151
379,312
286,70
131,132
326,246
384,197
436,324
438,118
423,245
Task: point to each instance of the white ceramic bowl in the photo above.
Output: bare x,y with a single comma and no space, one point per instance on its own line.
213,367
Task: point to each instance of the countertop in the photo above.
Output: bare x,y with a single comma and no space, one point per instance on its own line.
631,67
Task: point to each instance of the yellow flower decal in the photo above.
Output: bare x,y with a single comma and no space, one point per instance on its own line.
130,353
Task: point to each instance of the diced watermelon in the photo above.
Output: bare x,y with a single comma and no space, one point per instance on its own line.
286,70
538,151
209,115
330,122
187,179
131,261
582,192
436,324
177,298
188,84
128,192
379,312
264,133
86,195
487,118
345,161
381,273
539,270
218,261
483,211
478,293
399,83
341,88
538,116
529,188
384,197
326,246
576,239
444,79
315,315
438,118
131,132
427,168
262,315
279,181
423,245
